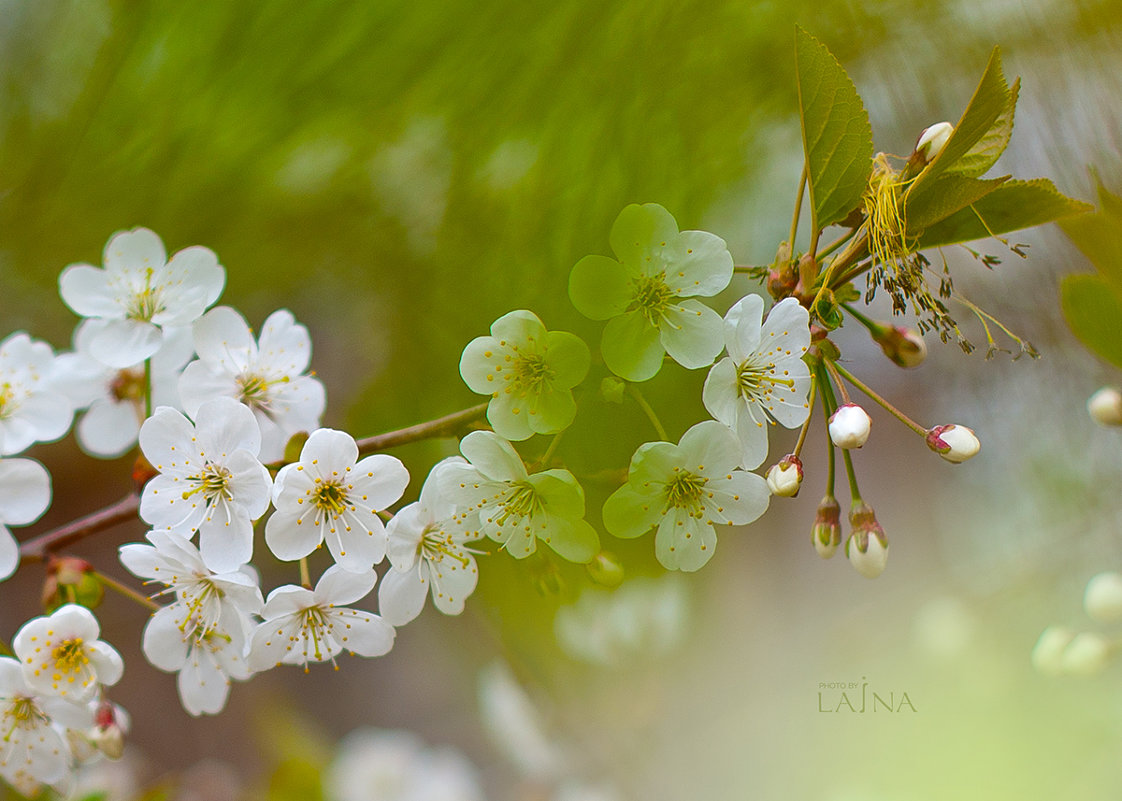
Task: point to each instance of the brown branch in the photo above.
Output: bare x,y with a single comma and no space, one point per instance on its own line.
447,426
37,548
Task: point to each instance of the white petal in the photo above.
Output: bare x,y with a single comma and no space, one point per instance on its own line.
285,346
109,428
742,327
9,553
363,633
166,439
340,587
203,688
25,491
223,340
380,480
292,535
401,595
107,663
720,394
710,447
287,600
87,291
123,343
691,334
226,538
201,383
190,282
223,426
162,505
328,453
493,456
134,252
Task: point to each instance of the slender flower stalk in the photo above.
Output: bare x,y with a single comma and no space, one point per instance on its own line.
648,410
861,385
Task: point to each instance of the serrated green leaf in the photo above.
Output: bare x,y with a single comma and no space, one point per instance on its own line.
949,193
1099,237
990,100
837,137
986,151
1012,206
1093,309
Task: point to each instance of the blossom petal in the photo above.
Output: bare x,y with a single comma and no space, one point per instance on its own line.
9,553
249,483
356,546
166,440
380,480
223,426
698,263
285,345
191,282
710,447
163,505
520,327
683,542
452,582
742,327
631,347
629,514
599,287
493,456
753,436
25,491
551,411
478,363
743,498
123,343
573,540
568,357
109,428
720,394
639,230
226,537
329,453
341,587
508,414
87,291
135,252
691,332
401,595
107,663
203,687
223,340
363,633
291,535
288,600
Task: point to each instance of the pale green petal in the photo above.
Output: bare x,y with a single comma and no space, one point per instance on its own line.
551,411
684,542
477,365
654,463
720,394
493,456
698,263
641,231
692,334
518,327
568,358
599,287
631,347
560,492
710,447
628,514
509,415
573,540
753,436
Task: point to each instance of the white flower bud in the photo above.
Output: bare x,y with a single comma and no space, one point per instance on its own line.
933,140
849,426
1047,654
826,534
1085,655
867,546
1103,598
785,477
954,443
1105,407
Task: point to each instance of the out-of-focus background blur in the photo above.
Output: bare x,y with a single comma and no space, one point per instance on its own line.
399,174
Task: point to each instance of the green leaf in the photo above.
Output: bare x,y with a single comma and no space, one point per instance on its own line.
1099,236
949,193
837,137
1093,308
1012,206
991,99
989,148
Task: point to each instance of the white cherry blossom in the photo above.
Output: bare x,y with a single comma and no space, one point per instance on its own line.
210,479
331,496
139,292
31,408
303,625
427,545
375,765
269,375
62,655
764,377
25,493
33,746
114,396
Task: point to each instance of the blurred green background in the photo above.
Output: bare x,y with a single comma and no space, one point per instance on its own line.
399,174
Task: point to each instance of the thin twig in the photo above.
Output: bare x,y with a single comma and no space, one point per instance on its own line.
37,548
447,426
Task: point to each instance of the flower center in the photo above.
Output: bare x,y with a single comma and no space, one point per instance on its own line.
330,497
255,390
23,713
127,385
69,657
528,374
684,491
213,483
7,400
436,545
145,304
755,381
522,501
652,297
203,600
315,631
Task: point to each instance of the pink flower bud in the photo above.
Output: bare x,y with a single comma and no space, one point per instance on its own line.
867,546
954,443
826,534
849,426
785,477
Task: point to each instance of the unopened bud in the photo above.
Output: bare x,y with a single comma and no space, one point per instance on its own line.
1103,598
954,443
867,546
902,345
1086,654
71,581
1105,407
785,477
111,724
849,426
933,140
826,534
1047,654
611,389
605,569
